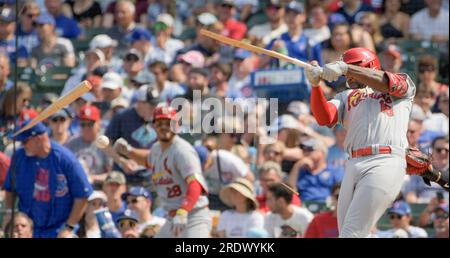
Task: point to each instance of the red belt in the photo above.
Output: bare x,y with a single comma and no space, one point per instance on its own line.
371,150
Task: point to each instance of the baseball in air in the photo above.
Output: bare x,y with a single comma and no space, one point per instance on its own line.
102,142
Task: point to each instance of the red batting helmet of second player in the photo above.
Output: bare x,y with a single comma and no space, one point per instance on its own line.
164,112
362,57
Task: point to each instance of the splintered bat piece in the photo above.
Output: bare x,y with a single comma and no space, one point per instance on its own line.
252,48
60,103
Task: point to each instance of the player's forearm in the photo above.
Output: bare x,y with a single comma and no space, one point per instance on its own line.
78,208
193,193
375,79
139,155
324,112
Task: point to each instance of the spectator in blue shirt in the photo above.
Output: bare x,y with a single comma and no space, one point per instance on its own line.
50,183
352,9
295,42
115,186
65,26
28,37
8,38
337,156
311,175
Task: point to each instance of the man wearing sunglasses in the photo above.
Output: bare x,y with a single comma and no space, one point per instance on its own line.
275,25
176,176
139,200
51,185
416,190
128,224
440,221
311,174
84,147
400,215
166,47
59,123
8,38
233,28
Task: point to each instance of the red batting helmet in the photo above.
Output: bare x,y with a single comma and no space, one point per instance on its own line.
164,112
361,57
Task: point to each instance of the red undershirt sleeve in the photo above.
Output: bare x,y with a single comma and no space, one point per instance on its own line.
324,111
193,193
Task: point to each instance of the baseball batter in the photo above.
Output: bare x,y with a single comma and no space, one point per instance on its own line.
375,111
176,177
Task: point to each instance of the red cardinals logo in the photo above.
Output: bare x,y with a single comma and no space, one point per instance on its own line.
357,96
166,168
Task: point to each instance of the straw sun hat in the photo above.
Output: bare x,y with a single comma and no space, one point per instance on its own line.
243,186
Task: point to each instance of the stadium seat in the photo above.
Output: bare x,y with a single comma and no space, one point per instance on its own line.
53,80
80,45
24,74
257,18
89,33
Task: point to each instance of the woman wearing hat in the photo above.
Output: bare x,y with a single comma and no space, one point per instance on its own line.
243,217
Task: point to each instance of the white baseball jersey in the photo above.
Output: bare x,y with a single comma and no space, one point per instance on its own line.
373,117
169,170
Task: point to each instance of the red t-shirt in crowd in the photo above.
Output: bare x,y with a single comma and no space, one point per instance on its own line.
235,29
4,165
323,225
263,205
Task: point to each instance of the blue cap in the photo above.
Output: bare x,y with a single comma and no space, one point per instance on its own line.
203,153
7,15
137,191
139,34
400,208
442,206
128,214
64,112
241,54
38,129
45,18
295,6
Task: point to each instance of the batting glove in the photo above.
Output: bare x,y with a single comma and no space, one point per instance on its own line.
121,146
332,71
179,222
313,74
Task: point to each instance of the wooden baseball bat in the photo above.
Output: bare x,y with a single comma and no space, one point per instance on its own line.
290,188
62,102
252,48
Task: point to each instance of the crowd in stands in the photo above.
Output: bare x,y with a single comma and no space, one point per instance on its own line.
140,53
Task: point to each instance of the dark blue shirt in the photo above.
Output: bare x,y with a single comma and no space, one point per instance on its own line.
8,47
48,187
28,40
133,128
336,159
66,27
425,140
316,187
352,17
301,48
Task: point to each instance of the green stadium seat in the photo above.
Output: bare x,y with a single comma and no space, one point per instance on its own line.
89,33
257,18
314,206
24,74
80,45
53,80
384,223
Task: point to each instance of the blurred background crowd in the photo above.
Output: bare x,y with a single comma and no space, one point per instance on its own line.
128,50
